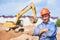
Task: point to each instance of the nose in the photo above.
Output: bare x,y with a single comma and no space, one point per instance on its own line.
44,18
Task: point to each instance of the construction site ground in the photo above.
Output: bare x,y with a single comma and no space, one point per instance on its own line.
11,34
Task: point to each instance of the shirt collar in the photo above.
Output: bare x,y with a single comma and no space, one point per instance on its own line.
47,22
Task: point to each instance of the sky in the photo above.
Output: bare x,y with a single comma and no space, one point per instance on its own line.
12,7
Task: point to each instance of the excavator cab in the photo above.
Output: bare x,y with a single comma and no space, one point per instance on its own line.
20,23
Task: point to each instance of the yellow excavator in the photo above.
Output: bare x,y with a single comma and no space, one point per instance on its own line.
19,15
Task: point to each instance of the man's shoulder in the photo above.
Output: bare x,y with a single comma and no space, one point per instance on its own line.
51,22
39,25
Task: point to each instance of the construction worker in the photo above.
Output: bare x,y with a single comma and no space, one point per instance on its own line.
47,30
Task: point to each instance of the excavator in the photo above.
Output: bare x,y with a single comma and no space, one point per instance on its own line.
19,15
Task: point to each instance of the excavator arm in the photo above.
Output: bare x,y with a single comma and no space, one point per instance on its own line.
32,6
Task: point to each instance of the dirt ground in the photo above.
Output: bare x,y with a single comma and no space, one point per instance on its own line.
58,36
8,35
11,34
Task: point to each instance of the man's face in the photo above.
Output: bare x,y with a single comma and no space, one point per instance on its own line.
45,18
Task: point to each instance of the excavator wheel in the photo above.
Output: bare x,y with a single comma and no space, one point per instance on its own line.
19,29
7,29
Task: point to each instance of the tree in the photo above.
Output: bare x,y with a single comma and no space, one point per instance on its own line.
58,23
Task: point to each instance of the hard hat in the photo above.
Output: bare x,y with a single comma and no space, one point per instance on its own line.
45,11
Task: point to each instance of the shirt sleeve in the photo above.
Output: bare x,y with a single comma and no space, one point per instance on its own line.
37,30
52,30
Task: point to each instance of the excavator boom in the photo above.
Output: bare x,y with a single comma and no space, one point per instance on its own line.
27,8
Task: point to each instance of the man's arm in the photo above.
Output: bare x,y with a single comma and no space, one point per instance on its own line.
43,30
37,31
51,31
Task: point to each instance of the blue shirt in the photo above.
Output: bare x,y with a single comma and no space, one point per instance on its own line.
50,34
